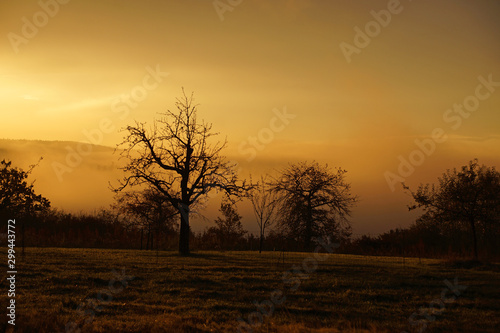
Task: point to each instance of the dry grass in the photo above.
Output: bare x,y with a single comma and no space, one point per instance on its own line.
209,291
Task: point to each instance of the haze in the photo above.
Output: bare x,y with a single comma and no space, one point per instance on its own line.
272,70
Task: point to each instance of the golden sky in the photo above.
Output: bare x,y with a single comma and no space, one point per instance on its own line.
67,66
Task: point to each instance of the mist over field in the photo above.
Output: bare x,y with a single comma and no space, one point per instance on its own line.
292,166
85,187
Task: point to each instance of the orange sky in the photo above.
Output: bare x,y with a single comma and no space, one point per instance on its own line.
65,68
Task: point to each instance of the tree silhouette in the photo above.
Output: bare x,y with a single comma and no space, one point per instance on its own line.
264,207
229,228
468,197
314,201
148,209
17,197
175,157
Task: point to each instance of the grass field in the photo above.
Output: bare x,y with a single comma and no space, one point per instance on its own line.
92,290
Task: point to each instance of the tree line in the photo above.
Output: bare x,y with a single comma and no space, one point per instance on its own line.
109,229
173,164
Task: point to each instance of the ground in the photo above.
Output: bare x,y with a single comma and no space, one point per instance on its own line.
94,290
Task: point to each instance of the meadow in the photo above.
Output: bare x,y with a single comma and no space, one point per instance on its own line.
95,290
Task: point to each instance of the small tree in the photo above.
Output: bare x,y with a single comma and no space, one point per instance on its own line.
229,228
175,157
264,207
314,201
469,197
17,197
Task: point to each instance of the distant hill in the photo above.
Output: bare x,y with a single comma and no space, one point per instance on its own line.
79,182
76,180
72,175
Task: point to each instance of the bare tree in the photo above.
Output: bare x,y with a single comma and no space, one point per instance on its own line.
264,206
175,157
314,201
469,197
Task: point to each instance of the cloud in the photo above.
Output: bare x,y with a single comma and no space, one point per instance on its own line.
290,8
87,103
30,98
464,138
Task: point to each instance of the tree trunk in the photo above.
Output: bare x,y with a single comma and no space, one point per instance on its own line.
261,242
308,235
184,204
184,230
158,232
142,233
23,236
474,238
